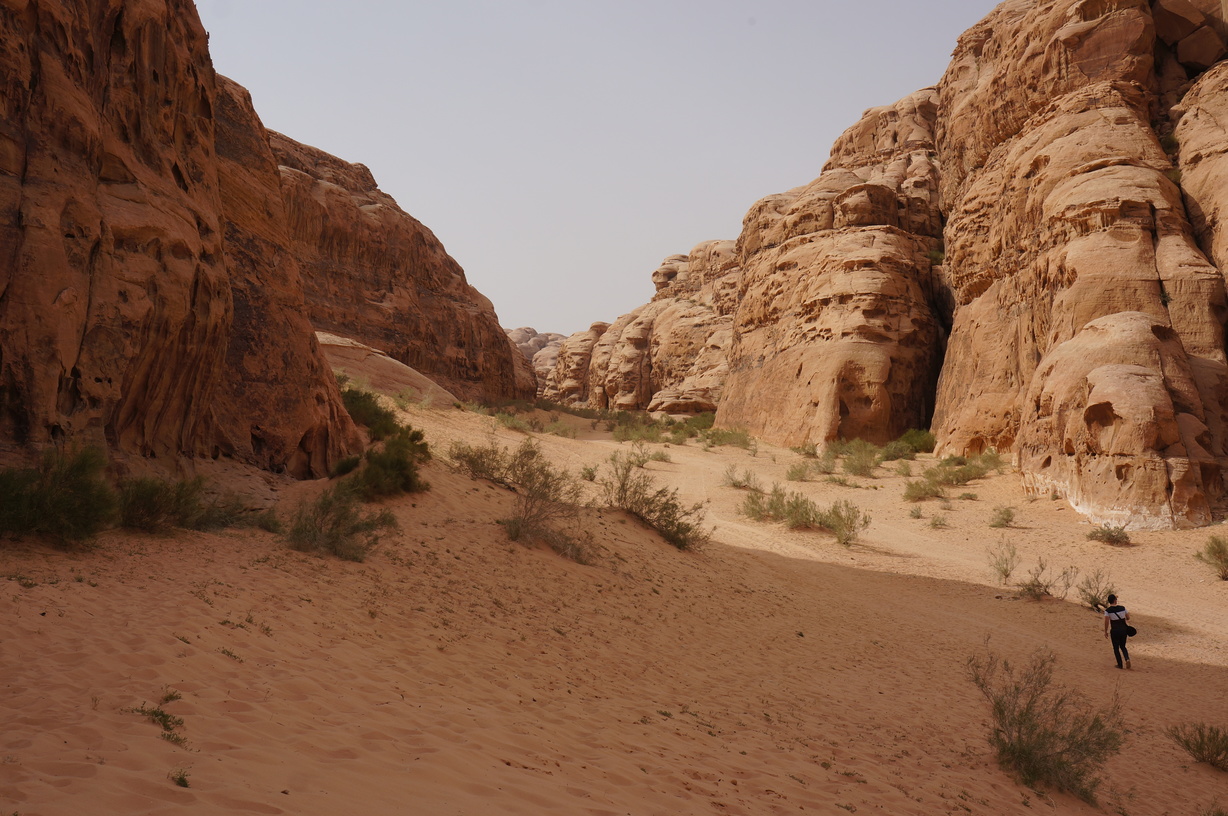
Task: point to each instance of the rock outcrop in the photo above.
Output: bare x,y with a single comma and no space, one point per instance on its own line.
668,355
376,274
541,349
143,303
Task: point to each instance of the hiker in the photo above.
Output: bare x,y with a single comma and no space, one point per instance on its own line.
1115,625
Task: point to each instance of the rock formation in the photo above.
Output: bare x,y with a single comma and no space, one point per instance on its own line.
541,349
376,274
668,355
142,303
1027,255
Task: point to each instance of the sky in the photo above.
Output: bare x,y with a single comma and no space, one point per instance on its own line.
561,149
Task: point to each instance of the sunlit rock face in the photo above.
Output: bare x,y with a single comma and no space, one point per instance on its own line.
541,349
668,355
145,305
376,274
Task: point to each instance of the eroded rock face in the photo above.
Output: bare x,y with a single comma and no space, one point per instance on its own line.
1087,332
139,306
376,274
836,333
541,349
669,355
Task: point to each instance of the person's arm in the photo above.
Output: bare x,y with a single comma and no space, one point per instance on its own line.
1106,624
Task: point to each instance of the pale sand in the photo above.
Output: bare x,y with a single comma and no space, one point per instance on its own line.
456,672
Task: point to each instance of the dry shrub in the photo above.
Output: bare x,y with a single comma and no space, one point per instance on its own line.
334,524
1215,555
1205,743
633,490
1048,735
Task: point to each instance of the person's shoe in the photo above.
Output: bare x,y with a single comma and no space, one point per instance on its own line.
1127,664
1119,665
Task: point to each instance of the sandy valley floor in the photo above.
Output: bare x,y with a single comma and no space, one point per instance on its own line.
455,672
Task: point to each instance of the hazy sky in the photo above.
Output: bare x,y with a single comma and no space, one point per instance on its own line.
560,149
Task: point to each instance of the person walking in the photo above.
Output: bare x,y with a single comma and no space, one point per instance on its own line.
1115,625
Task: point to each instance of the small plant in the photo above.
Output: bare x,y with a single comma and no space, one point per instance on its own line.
1109,534
918,440
798,472
967,496
335,525
903,468
364,408
154,505
1003,559
64,498
589,473
559,428
660,456
638,455
1215,555
344,466
1048,735
1205,743
826,463
915,512
488,461
923,489
1095,589
631,489
512,422
1002,517
938,522
393,469
547,499
180,777
725,436
845,521
861,458
744,481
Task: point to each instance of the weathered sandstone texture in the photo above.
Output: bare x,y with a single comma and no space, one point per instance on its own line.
1087,332
376,274
668,355
147,300
384,374
539,348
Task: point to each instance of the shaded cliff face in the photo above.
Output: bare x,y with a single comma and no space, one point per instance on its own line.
141,303
374,273
669,355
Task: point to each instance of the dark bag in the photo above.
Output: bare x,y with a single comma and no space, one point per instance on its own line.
1130,631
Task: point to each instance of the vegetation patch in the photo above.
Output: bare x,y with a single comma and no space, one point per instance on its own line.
65,498
334,524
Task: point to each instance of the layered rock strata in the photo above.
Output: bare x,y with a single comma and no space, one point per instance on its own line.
143,303
376,274
541,349
668,355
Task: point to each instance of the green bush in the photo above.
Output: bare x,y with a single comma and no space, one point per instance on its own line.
845,521
897,449
923,489
860,458
631,489
918,440
744,481
826,463
489,461
1002,517
1215,554
334,524
1046,734
364,408
65,498
1205,743
725,436
798,472
1110,534
155,505
344,466
1095,589
394,468
795,510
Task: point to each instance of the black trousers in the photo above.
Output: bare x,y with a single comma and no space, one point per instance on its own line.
1118,637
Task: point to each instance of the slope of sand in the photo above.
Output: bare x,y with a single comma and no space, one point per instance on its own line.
455,672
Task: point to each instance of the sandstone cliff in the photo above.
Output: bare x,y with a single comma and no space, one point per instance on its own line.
1027,256
668,355
376,274
541,349
144,304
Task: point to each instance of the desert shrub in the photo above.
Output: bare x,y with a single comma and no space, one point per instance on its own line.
903,468
806,451
922,489
547,500
896,449
938,522
725,436
744,481
915,513
794,509
487,461
364,408
1048,735
559,428
860,458
798,472
155,505
1040,583
845,521
633,490
589,473
335,524
65,498
1205,743
1002,517
512,422
344,466
1110,534
393,469
630,427
1094,590
967,496
918,440
1215,554
1003,560
826,463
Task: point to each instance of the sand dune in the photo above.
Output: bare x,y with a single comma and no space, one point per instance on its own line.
456,672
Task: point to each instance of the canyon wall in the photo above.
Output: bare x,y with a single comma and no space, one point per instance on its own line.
668,355
141,305
1026,256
